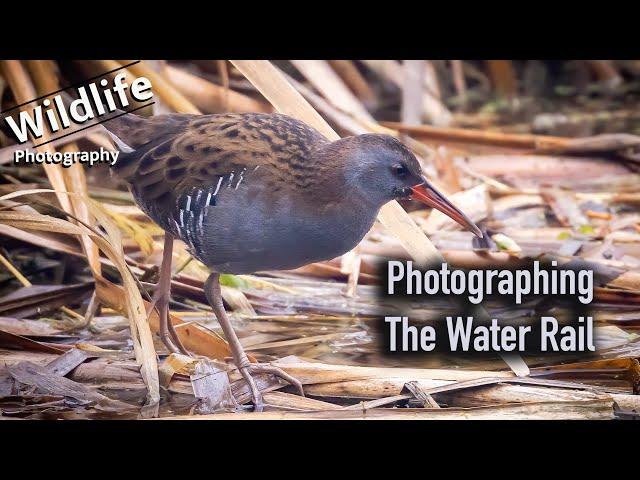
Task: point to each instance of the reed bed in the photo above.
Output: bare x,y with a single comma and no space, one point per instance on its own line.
79,259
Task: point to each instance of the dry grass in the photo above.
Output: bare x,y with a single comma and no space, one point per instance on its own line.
71,235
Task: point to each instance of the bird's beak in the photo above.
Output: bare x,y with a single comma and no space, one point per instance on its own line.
428,195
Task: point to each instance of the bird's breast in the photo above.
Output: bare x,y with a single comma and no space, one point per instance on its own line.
254,232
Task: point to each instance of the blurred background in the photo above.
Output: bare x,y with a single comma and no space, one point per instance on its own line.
542,155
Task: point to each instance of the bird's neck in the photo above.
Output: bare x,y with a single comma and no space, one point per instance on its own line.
329,181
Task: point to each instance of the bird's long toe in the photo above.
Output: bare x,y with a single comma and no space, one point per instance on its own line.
256,396
278,372
250,369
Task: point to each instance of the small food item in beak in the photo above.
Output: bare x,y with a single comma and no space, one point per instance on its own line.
428,195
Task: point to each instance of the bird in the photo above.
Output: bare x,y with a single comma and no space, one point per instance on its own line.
259,191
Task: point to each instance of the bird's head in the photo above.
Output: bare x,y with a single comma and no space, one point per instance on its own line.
379,168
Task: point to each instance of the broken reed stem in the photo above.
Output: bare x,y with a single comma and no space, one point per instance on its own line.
46,81
578,410
23,92
435,111
26,283
413,81
209,97
15,272
480,137
223,71
457,72
332,88
165,90
349,73
503,77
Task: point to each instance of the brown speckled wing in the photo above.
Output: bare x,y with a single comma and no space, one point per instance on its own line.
185,153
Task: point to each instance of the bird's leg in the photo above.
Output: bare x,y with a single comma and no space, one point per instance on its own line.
160,301
214,295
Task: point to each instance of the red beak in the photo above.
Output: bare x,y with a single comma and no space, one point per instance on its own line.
428,195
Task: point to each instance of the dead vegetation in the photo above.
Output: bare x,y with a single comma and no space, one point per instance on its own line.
79,258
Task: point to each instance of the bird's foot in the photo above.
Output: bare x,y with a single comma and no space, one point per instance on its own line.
249,369
168,335
214,296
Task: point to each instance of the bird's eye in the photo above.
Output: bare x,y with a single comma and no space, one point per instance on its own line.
400,170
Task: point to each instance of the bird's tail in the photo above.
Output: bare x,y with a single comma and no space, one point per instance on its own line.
134,131
127,130
135,136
